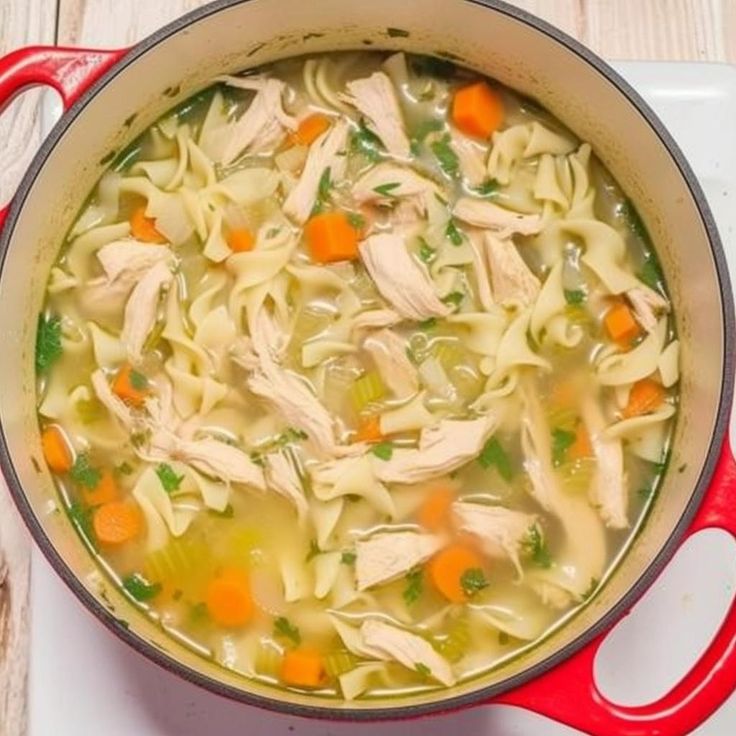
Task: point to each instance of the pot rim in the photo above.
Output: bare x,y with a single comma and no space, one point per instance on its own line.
483,694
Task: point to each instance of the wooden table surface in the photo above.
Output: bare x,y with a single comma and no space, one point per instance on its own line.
692,30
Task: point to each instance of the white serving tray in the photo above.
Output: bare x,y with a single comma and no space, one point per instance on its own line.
83,681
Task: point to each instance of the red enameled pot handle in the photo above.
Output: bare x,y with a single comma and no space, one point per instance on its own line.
69,71
568,692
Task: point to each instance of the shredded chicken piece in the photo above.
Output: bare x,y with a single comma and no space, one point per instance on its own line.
128,260
388,352
387,182
511,278
503,222
376,99
442,448
263,124
283,477
141,311
502,532
402,280
383,641
476,238
384,557
323,155
115,405
471,158
373,319
647,303
608,490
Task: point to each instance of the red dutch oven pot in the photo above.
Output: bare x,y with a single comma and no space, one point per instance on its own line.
112,96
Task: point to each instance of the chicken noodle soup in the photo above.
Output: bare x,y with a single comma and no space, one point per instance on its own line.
357,373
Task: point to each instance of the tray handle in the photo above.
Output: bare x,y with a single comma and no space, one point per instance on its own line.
568,693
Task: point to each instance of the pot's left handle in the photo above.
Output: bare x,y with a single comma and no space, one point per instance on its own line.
69,71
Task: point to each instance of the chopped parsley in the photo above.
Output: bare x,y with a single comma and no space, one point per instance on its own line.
575,296
383,450
125,468
426,252
454,297
453,233
137,380
422,669
536,547
488,188
562,440
283,628
289,435
428,324
323,191
473,581
426,127
140,588
356,221
385,189
81,518
83,474
48,343
651,274
633,221
366,143
493,455
169,479
414,586
446,157
348,558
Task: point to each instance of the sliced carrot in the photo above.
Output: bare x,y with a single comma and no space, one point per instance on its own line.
130,385
240,240
646,396
56,450
434,513
310,129
477,110
447,567
105,491
331,237
303,667
228,598
116,522
369,429
581,447
620,324
144,228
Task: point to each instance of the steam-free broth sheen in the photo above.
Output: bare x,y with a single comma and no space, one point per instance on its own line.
357,373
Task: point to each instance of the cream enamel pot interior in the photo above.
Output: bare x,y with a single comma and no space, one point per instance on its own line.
137,86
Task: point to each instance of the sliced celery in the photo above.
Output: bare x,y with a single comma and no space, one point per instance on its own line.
577,475
366,390
268,660
339,662
456,641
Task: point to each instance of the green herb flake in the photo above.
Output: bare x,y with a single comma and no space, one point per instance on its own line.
575,296
645,493
488,188
385,189
473,580
426,253
140,588
414,586
81,518
428,324
536,548
454,297
454,235
493,455
651,274
366,143
291,434
89,411
138,381
198,613
323,192
422,669
169,479
48,343
448,161
562,440
83,474
431,66
383,450
633,221
348,558
283,628
426,127
314,550
357,222
125,468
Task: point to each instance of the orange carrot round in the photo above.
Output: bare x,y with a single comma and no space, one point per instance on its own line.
240,240
303,667
116,522
130,385
434,513
646,396
105,491
447,567
144,228
477,110
620,324
228,599
581,447
369,429
311,128
331,237
56,450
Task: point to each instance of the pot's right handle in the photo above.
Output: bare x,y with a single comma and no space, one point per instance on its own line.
69,71
568,693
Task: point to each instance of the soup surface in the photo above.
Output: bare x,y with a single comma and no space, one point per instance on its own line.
357,373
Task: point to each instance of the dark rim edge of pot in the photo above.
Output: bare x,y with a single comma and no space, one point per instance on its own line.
442,704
